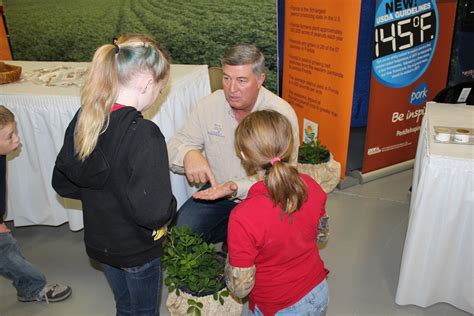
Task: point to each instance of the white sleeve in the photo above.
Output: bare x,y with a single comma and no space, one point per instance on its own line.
189,137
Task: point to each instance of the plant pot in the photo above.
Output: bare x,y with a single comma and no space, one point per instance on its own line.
326,157
178,305
327,174
205,292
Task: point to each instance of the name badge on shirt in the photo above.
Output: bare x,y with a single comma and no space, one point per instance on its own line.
216,131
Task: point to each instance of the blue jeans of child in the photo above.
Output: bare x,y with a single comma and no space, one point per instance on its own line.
314,303
207,218
137,289
27,279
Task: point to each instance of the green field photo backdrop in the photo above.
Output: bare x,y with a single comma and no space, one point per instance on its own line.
193,31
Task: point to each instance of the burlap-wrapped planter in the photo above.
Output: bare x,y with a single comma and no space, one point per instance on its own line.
178,305
327,174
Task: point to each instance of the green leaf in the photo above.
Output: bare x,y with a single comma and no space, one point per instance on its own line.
191,263
221,300
225,293
193,310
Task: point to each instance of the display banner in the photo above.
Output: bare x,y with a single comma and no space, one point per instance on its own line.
5,53
319,61
411,54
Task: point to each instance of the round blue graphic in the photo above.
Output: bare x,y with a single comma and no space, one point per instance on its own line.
406,33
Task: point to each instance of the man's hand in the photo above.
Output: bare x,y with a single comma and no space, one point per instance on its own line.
4,228
197,168
222,190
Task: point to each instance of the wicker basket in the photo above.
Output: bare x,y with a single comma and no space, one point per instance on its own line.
9,73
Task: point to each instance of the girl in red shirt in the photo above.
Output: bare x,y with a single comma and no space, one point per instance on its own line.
273,233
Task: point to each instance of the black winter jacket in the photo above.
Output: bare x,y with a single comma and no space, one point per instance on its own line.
124,186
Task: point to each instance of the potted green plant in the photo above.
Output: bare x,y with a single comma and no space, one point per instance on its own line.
195,276
315,159
313,152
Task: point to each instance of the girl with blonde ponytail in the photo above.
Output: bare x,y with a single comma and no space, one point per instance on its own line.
116,163
113,66
272,234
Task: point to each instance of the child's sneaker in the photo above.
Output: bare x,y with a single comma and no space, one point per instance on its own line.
50,293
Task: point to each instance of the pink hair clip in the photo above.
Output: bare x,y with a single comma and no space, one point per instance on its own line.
275,159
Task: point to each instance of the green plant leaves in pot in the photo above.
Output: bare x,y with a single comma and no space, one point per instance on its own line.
191,264
313,153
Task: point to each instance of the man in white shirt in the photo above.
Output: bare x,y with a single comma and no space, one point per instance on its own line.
203,149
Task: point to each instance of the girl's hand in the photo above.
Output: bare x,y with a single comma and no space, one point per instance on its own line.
4,228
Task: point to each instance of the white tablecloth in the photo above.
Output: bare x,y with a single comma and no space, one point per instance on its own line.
437,261
43,113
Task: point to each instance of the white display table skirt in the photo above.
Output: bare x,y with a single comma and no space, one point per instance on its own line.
437,263
43,113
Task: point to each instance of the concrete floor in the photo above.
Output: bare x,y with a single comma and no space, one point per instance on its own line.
368,225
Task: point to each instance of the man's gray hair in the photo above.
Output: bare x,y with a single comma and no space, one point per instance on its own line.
245,54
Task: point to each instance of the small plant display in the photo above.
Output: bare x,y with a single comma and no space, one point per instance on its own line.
313,152
193,266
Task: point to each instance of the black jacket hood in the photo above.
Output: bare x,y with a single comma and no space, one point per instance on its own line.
94,171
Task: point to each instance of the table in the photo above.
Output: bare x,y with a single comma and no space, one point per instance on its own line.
437,261
43,113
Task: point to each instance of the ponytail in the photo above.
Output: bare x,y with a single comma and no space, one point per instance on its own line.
97,97
285,186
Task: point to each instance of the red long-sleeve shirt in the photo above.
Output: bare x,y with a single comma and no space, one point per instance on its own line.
282,247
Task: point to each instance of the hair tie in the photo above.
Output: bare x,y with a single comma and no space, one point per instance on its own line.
117,47
274,160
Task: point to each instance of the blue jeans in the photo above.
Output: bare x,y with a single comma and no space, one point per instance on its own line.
207,218
136,290
314,303
27,279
